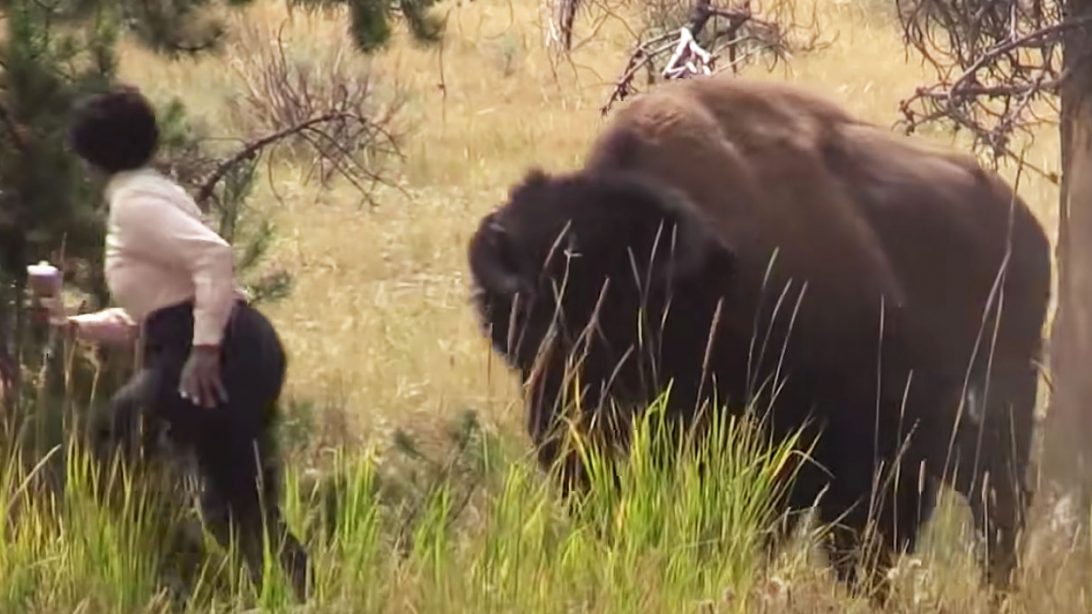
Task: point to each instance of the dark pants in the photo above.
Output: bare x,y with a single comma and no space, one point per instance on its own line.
232,443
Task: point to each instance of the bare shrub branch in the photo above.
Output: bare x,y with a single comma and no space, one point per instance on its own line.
998,65
322,110
708,34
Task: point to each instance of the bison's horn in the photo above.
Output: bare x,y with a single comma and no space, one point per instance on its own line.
490,259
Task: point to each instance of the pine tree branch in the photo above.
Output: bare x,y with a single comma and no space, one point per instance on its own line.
8,376
18,136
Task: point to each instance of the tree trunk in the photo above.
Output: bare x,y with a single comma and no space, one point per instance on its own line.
1068,432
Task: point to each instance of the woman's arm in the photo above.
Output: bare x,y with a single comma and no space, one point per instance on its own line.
110,327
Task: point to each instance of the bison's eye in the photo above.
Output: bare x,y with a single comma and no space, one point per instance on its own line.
570,250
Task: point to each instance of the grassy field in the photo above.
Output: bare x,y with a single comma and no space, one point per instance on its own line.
379,322
382,342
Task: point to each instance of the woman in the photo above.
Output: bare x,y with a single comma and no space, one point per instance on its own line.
213,365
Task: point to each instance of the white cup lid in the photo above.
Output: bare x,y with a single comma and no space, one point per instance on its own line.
42,269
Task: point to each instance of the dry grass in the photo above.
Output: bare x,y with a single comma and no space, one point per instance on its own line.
379,321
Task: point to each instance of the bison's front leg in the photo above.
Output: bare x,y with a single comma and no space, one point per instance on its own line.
549,413
870,529
567,425
555,451
994,446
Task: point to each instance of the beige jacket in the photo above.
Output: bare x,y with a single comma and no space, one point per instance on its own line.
160,252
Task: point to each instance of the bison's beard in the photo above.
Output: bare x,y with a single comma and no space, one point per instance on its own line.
537,338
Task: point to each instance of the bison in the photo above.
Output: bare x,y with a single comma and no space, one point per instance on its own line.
722,230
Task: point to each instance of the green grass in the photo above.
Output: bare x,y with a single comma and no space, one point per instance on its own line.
70,548
480,531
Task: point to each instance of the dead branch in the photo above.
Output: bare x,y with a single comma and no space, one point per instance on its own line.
697,47
321,111
334,139
252,149
997,63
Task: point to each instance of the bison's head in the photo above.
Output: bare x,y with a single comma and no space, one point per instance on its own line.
575,259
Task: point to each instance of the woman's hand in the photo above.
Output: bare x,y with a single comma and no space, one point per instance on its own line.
57,319
200,382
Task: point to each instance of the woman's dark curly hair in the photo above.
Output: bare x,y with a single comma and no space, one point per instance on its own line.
115,130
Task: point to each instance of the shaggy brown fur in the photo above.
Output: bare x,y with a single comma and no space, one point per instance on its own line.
797,235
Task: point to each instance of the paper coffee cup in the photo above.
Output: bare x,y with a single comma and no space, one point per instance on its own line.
44,279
